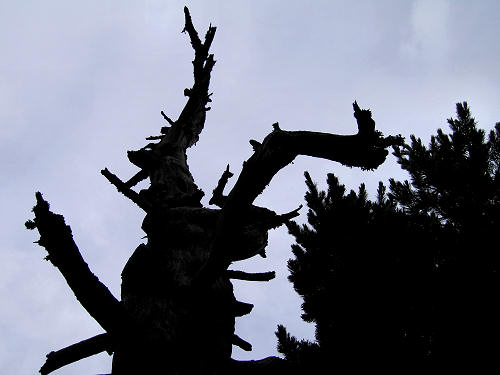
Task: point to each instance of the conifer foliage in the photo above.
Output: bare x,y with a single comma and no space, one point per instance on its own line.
410,280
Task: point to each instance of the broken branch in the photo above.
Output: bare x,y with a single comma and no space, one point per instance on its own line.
217,196
138,177
94,296
123,188
76,352
242,308
260,276
168,119
238,341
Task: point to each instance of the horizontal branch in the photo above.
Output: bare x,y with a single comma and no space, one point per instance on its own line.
76,352
94,296
242,308
265,366
240,275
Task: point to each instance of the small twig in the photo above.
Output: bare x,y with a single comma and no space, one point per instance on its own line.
123,188
138,177
168,119
217,195
238,341
154,137
279,220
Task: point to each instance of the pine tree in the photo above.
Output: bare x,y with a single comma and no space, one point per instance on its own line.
406,281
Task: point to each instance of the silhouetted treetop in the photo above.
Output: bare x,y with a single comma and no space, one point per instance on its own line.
177,310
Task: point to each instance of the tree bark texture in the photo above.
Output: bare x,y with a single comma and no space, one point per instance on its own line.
177,309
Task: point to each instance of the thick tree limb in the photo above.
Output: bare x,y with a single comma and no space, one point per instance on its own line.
366,150
76,352
94,296
240,275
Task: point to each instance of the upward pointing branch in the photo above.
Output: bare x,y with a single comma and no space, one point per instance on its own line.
186,130
165,162
94,296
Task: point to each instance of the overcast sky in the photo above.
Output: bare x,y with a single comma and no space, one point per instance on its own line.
83,82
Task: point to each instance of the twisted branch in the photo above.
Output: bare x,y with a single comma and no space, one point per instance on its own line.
366,149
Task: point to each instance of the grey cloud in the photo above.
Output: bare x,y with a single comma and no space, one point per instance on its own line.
82,83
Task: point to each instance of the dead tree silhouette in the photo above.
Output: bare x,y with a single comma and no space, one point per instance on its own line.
177,309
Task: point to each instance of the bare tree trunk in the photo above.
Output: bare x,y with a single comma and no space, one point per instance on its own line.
177,308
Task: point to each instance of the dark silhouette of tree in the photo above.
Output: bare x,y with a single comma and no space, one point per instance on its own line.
408,281
177,309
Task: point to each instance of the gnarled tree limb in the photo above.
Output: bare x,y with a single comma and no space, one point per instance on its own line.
186,130
366,150
165,162
94,296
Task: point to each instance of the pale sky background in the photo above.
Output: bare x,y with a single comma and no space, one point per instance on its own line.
83,82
